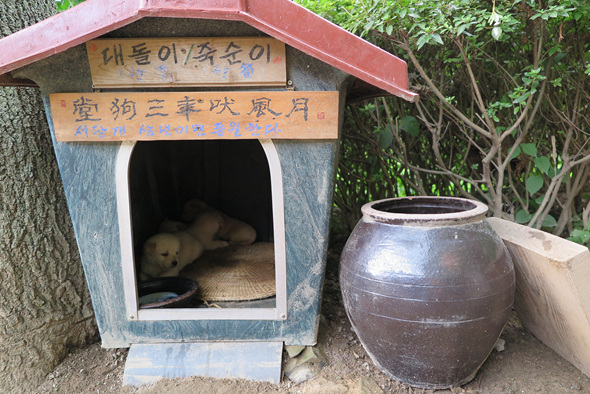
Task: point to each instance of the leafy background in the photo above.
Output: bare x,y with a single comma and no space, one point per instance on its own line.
503,116
63,5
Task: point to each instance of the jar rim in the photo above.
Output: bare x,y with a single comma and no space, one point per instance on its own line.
425,210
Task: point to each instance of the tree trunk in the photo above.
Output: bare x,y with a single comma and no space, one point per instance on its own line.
45,307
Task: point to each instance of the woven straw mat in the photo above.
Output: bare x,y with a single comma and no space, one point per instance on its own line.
235,273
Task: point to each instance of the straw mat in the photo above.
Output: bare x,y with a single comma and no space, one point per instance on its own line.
235,273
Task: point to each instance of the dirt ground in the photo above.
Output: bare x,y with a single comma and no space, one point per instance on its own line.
524,366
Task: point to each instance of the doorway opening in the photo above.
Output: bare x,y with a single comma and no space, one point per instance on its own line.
240,179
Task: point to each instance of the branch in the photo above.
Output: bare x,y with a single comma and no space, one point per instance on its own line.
524,113
480,102
579,182
550,196
438,94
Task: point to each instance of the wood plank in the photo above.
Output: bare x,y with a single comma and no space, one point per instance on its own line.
147,116
552,289
258,361
9,80
179,61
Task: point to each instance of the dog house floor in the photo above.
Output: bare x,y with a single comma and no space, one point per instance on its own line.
265,303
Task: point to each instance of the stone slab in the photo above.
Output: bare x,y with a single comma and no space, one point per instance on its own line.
258,361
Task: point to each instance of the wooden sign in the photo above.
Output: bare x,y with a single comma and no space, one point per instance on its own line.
146,116
237,61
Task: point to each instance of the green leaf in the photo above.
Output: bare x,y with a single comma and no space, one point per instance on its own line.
534,183
560,56
529,149
523,216
556,82
385,137
517,152
522,98
581,236
549,221
410,125
543,163
63,5
422,40
436,37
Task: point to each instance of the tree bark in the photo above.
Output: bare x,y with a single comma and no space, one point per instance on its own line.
45,307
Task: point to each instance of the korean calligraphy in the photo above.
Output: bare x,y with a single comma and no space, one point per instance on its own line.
187,61
194,115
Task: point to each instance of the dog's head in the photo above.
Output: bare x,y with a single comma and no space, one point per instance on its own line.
161,252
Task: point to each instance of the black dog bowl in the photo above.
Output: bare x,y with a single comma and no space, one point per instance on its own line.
169,292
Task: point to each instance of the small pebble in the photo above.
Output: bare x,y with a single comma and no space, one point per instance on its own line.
575,386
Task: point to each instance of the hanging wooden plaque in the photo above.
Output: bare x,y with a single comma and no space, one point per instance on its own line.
167,62
134,116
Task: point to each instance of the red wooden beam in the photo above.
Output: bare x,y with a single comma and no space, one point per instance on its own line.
281,19
65,30
8,80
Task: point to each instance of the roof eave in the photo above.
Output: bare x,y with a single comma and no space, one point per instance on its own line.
281,19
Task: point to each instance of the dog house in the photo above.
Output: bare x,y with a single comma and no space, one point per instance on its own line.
237,103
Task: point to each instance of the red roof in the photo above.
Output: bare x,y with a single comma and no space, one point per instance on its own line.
281,19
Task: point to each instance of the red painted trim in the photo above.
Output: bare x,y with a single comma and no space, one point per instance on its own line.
322,39
202,9
65,30
281,19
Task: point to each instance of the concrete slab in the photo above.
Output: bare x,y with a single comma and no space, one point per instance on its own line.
148,363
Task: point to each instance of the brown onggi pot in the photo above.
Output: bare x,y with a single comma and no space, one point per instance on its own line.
428,287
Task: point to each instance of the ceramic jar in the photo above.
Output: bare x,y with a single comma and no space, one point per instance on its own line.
428,287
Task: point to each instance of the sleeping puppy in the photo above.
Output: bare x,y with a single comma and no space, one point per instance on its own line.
160,254
231,230
165,254
205,228
190,250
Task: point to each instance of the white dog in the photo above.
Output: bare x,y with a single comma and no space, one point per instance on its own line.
166,254
205,227
234,231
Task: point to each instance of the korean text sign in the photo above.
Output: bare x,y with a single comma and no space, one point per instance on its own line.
145,116
226,61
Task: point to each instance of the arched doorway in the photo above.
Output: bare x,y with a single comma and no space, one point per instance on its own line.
241,178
